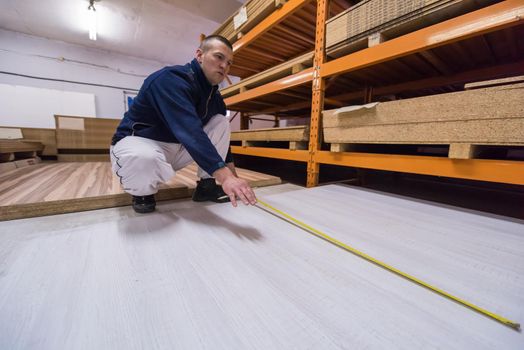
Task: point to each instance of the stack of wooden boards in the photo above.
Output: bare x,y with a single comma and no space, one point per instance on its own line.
18,148
84,139
466,120
363,25
370,22
75,139
254,10
297,136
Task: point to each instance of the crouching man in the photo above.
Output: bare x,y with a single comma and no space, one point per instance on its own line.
178,117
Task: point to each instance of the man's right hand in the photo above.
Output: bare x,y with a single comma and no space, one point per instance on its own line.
235,187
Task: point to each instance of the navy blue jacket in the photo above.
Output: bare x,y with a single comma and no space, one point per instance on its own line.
173,105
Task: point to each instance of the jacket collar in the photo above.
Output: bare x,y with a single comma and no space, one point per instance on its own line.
200,77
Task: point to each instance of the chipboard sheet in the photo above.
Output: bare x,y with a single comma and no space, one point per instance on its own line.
200,276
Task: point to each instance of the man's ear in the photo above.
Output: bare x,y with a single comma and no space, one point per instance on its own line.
198,55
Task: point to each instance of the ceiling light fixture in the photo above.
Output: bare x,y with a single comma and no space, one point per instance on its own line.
92,19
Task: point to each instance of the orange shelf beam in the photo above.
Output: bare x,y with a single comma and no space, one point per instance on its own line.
279,153
269,22
510,172
495,17
284,83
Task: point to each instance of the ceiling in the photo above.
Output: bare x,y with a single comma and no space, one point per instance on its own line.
166,31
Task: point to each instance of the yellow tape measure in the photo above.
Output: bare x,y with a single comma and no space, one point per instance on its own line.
322,235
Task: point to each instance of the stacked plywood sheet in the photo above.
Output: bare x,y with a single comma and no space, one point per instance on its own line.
371,21
16,151
297,136
46,136
486,116
282,70
254,11
84,139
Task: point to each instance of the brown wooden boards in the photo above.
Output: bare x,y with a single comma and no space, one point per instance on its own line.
490,116
54,188
287,68
255,11
297,136
290,133
358,26
84,137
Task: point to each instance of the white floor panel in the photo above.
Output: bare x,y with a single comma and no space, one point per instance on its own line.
194,276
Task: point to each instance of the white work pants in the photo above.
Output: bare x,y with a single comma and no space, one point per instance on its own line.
143,164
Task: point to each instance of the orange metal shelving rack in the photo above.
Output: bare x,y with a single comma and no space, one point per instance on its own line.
503,15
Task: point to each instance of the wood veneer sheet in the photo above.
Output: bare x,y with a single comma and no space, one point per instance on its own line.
194,276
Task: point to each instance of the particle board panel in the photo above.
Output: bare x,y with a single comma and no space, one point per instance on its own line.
55,188
489,116
196,276
290,67
494,82
291,133
351,29
256,11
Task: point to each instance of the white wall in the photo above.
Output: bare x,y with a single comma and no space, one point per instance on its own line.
41,105
40,57
34,56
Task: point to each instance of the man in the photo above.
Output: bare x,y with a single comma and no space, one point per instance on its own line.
177,118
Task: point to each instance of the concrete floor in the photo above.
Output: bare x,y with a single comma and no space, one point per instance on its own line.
197,276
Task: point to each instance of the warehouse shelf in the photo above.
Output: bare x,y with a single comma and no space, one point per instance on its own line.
510,172
491,50
489,19
286,33
484,44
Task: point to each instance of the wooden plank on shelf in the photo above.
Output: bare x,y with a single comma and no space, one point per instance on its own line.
290,67
462,151
489,116
256,11
292,133
494,82
353,29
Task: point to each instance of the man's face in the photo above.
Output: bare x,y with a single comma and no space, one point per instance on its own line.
215,61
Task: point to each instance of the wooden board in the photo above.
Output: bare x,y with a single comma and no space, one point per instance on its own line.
494,82
84,133
256,11
199,276
287,68
84,157
55,188
292,133
15,146
45,136
354,28
490,116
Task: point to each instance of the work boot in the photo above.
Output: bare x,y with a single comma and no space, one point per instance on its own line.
208,190
144,204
